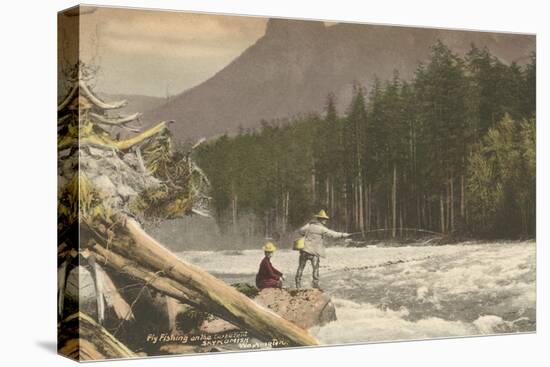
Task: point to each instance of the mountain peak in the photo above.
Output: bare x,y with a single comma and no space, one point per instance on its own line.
293,29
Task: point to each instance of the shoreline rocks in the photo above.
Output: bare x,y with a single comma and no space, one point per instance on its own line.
304,307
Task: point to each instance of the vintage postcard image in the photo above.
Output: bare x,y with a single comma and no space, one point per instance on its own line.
235,183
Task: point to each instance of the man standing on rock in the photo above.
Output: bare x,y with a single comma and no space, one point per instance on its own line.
315,232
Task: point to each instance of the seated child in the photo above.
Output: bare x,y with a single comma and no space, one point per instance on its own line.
268,276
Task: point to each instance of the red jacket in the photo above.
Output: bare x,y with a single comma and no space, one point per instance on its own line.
268,276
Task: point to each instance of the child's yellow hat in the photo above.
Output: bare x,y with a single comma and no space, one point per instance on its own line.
269,247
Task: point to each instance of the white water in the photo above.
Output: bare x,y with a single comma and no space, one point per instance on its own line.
413,292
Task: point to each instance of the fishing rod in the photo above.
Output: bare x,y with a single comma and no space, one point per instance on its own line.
405,229
363,233
355,234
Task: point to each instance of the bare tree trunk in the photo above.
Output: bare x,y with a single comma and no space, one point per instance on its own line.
346,214
368,204
98,284
354,206
462,199
332,203
313,184
361,208
234,205
442,213
357,205
327,194
287,209
394,201
423,219
448,206
83,339
401,221
266,232
284,221
286,204
430,218
419,213
452,204
61,285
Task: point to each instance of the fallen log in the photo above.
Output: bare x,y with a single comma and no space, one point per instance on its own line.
113,298
157,281
61,283
83,339
177,277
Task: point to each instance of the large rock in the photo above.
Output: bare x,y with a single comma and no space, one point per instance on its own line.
304,307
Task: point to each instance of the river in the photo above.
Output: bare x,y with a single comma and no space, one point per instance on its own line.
409,292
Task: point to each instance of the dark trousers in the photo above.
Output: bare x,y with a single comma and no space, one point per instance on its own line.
304,258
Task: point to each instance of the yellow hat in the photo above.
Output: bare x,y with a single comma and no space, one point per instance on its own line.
322,214
269,247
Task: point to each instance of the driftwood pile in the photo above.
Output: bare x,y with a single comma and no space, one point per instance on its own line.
106,188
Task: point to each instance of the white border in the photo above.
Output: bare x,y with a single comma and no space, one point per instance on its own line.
28,87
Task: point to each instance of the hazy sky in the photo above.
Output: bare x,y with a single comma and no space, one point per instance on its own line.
159,52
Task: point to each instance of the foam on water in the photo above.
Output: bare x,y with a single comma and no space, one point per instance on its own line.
414,292
367,323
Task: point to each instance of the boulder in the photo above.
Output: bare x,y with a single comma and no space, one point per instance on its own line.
304,307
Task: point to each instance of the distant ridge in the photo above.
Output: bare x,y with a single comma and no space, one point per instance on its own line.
296,64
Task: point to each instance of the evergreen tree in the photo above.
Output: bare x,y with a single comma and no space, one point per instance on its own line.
452,151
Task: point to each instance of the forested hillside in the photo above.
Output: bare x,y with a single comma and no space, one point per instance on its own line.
291,69
452,151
